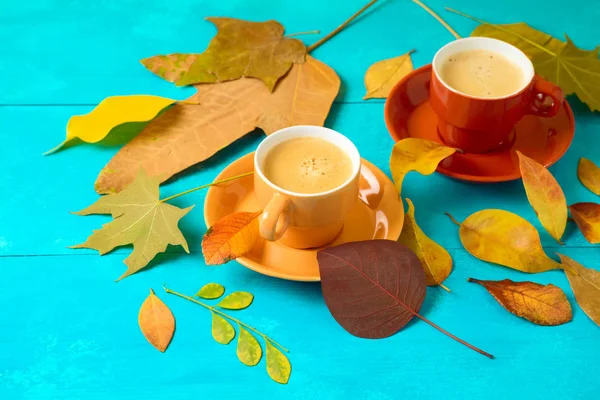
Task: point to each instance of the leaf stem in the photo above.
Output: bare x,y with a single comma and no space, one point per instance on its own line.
314,32
216,310
207,185
444,287
434,15
55,149
452,218
339,28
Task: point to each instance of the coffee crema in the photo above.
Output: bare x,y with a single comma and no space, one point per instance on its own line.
482,73
307,165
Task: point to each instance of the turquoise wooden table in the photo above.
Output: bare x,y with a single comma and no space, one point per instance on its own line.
68,331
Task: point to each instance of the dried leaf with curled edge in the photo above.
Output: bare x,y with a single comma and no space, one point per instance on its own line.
436,261
540,304
278,365
504,238
156,322
222,330
211,291
587,218
545,196
589,175
382,76
187,134
412,154
111,112
249,351
236,301
139,218
585,283
230,237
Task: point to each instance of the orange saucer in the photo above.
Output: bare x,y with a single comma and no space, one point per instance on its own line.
379,214
408,113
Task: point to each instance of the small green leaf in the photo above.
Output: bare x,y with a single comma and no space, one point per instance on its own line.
278,365
248,349
222,330
211,291
236,301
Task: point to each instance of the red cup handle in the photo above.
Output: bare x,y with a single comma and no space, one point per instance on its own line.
542,89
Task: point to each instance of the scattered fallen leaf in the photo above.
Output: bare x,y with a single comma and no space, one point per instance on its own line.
419,155
278,365
239,49
236,301
587,218
222,330
585,283
211,291
111,112
156,322
545,196
589,175
540,304
249,351
230,237
139,218
382,76
435,260
504,238
187,134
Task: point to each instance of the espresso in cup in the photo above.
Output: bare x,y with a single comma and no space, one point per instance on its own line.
307,165
482,73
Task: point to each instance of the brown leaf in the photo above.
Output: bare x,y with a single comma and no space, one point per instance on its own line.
435,260
230,237
540,304
188,134
589,175
170,67
587,218
545,196
382,76
156,322
585,283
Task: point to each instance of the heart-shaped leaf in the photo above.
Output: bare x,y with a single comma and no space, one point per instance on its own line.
585,283
211,291
589,175
230,237
382,76
587,218
222,330
156,322
236,301
248,349
278,365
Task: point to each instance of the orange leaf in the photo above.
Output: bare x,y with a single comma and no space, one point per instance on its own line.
545,196
589,175
587,218
156,322
230,237
540,304
585,283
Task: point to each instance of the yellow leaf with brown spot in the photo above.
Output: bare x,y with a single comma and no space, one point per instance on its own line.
540,304
585,283
382,76
587,218
545,196
278,365
436,261
230,237
156,322
504,238
589,175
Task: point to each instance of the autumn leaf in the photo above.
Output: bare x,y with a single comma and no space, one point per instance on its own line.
248,350
222,330
187,134
435,260
236,301
585,283
540,304
419,155
156,322
504,238
545,196
111,112
170,67
382,76
211,291
589,175
587,218
230,237
278,365
139,218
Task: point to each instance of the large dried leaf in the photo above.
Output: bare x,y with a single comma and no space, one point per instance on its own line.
545,196
278,365
585,283
230,237
156,322
382,76
504,238
249,351
222,330
589,175
587,218
540,304
419,155
170,67
141,219
187,134
436,261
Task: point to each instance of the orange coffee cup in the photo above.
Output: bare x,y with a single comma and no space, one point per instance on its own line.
480,124
303,220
